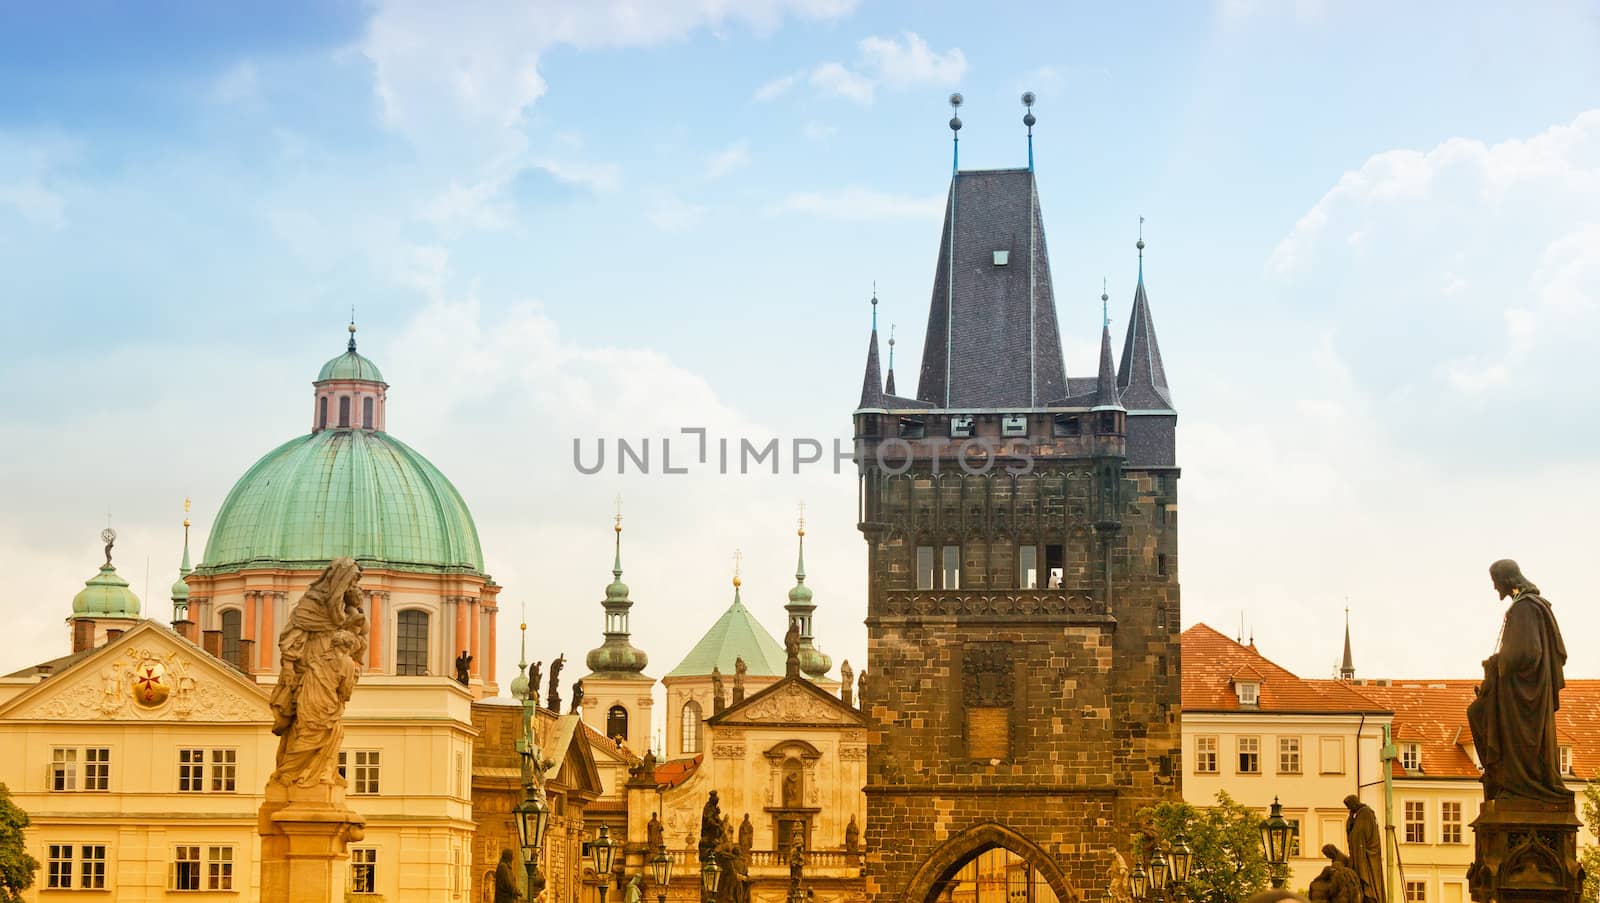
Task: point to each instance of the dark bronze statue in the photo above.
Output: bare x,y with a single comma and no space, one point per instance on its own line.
577,695
739,669
1338,882
554,699
505,880
717,702
710,826
464,668
747,835
656,832
791,650
1366,848
847,683
852,835
1513,718
535,677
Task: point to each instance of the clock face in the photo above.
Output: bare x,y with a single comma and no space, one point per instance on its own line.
108,535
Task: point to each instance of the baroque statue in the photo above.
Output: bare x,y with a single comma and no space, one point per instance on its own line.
505,880
656,833
747,835
1338,882
321,649
535,678
791,649
554,699
1513,718
464,668
852,835
577,695
1365,843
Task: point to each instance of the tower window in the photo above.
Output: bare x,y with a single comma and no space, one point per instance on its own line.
367,420
322,413
1055,565
617,723
691,727
1161,565
344,412
1028,567
232,621
1067,425
411,643
952,567
924,567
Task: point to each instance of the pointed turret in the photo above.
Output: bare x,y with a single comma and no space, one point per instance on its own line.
519,684
872,382
1142,379
813,661
1347,668
617,657
1105,386
180,588
888,381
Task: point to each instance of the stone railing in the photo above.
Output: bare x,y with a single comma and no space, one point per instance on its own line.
819,859
978,604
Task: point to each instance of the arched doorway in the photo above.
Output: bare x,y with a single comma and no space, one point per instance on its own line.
989,863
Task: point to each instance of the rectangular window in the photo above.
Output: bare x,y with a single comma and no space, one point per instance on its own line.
186,867
63,769
1249,755
1331,751
366,414
344,411
1566,760
1028,567
363,778
224,770
1416,821
58,865
92,866
1416,892
363,870
219,868
97,768
1288,755
1294,837
952,567
1411,756
924,567
1450,822
1205,755
1161,564
191,770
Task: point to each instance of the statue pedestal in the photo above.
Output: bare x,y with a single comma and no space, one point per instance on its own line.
1525,851
305,832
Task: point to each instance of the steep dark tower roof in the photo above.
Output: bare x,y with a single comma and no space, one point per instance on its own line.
1142,379
992,338
1105,389
872,382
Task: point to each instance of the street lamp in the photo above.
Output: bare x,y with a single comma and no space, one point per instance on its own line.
600,850
661,866
1182,858
1158,874
1275,835
1139,881
710,874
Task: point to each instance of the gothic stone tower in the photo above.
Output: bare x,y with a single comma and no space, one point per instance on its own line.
1023,620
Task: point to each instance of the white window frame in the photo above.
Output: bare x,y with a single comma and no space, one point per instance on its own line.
219,867
1448,825
1566,759
224,766
59,866
1201,751
63,769
186,854
97,769
1421,887
363,771
363,865
1420,822
1241,752
1249,692
1289,747
1411,757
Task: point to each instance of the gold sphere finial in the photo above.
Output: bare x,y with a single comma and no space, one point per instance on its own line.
352,328
736,582
186,522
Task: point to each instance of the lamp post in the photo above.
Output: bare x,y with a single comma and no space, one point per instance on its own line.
531,816
1165,874
661,868
600,850
710,875
1275,835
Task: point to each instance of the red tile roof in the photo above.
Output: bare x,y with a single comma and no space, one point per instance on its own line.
1211,661
1433,714
677,771
616,750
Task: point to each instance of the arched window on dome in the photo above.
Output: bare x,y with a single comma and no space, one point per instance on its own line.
322,413
232,621
344,412
617,723
366,414
411,643
691,727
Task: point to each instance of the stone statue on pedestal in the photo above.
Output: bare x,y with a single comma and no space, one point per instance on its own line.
656,833
535,678
577,695
321,650
464,668
852,835
747,835
847,684
718,703
1365,841
554,700
505,880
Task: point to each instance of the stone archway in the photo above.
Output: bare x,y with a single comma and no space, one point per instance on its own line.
948,858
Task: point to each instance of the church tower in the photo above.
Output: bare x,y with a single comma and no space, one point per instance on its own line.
616,692
1023,621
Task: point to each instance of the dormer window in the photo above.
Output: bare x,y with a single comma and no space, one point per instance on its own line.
1566,760
1002,258
1411,756
1249,692
961,427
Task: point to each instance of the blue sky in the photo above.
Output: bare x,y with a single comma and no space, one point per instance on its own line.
1374,262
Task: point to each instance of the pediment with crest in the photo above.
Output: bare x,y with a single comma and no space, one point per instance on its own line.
147,674
793,701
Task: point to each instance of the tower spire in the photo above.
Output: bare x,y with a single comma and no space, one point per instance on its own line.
872,379
813,663
1141,378
180,587
351,347
1028,119
1105,385
1347,668
955,133
616,656
888,381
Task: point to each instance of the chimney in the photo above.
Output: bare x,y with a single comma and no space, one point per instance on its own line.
247,655
82,635
212,643
187,629
113,634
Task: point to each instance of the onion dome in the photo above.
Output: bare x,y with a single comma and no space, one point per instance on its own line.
180,588
617,657
106,595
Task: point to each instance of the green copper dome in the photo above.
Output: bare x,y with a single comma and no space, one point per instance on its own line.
360,493
350,365
106,595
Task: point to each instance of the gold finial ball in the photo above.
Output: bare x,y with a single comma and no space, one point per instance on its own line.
524,626
618,527
736,582
186,522
352,328
801,531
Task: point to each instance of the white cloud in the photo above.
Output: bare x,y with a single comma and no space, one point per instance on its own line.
776,88
860,204
728,159
834,78
818,131
240,84
596,176
910,61
670,213
29,183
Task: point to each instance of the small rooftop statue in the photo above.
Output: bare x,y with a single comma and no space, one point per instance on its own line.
554,700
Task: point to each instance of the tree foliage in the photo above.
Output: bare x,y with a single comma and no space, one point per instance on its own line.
16,866
1589,856
1228,863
